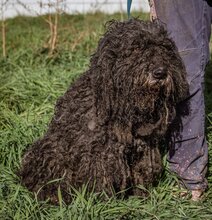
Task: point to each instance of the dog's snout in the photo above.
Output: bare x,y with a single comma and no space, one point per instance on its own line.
160,73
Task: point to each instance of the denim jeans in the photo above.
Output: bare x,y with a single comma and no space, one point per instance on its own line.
189,25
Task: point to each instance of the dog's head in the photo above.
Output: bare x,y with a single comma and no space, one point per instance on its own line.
139,76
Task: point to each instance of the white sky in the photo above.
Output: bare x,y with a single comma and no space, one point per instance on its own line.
75,6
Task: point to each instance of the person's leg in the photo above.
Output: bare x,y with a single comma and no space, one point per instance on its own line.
188,23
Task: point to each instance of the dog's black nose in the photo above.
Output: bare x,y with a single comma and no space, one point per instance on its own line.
160,73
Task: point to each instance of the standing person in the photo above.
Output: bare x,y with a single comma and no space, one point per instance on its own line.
189,25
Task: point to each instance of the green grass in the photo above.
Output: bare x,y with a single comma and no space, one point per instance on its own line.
30,83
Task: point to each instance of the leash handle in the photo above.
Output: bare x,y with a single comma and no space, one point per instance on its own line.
129,2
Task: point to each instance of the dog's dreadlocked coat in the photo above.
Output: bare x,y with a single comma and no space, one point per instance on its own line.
106,128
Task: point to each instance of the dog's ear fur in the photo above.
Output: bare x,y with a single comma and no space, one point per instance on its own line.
112,90
180,83
111,85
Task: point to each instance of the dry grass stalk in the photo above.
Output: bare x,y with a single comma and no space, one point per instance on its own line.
3,8
52,19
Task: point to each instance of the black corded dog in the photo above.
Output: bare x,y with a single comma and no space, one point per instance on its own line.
107,126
